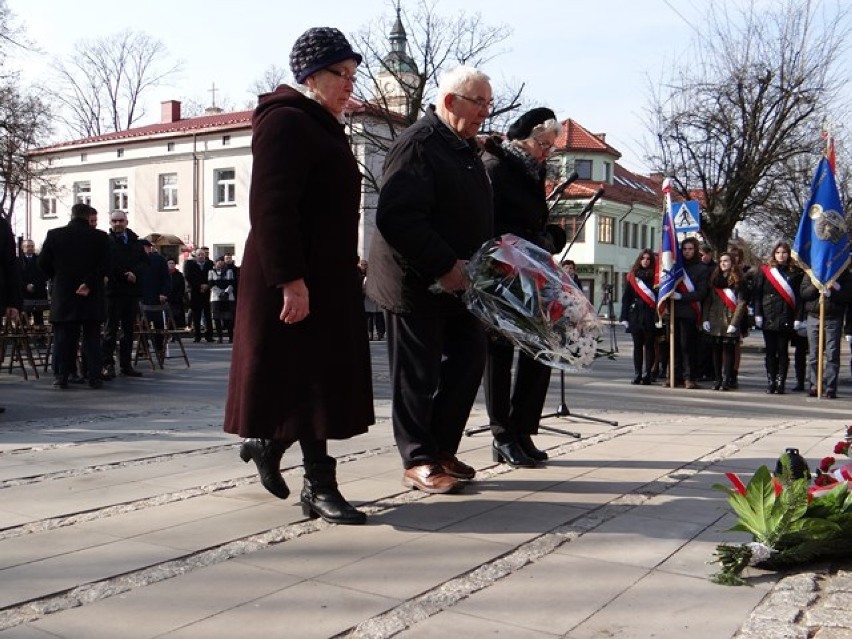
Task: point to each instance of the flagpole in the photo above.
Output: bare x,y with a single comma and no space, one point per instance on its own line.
671,343
820,343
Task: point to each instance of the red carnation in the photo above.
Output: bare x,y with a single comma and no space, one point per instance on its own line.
555,311
824,480
841,448
826,463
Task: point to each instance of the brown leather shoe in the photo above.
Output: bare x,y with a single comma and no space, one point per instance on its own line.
690,384
455,468
430,478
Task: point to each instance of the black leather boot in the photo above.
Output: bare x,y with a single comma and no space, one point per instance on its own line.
772,384
530,449
512,454
321,498
266,454
780,383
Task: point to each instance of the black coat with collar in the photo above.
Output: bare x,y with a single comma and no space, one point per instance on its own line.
73,255
768,303
435,207
519,204
124,258
10,276
32,274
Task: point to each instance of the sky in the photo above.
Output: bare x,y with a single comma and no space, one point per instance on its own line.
587,60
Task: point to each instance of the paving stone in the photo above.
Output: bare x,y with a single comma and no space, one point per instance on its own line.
833,633
765,629
833,617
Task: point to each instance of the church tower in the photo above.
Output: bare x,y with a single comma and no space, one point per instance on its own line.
398,79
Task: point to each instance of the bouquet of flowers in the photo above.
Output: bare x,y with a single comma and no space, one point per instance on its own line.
519,290
790,522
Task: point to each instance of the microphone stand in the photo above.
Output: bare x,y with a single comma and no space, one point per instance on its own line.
562,410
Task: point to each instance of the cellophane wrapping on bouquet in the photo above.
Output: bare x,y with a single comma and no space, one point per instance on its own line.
518,290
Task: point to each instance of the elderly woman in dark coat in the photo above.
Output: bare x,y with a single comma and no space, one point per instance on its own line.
301,320
516,169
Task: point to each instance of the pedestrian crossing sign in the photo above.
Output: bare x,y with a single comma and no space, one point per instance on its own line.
686,216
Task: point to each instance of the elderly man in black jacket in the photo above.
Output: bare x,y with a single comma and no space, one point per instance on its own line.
434,212
33,279
76,258
127,261
197,274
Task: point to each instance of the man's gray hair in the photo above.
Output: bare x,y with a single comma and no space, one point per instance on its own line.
456,80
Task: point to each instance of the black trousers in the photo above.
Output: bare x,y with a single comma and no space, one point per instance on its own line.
643,351
518,412
121,313
66,336
686,340
436,366
777,357
199,308
376,323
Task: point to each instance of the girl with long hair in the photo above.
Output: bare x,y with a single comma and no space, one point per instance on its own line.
638,315
723,311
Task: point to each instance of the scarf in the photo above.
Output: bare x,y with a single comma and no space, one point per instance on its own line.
532,168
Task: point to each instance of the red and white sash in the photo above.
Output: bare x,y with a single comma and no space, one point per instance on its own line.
643,290
727,296
782,287
686,286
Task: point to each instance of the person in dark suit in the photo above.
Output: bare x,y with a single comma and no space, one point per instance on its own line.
435,210
33,279
197,274
76,258
127,261
155,284
10,276
176,294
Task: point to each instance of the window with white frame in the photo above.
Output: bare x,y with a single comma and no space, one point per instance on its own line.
168,191
607,172
82,193
118,194
48,203
625,234
606,227
225,184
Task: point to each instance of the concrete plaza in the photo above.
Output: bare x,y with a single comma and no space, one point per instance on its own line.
126,512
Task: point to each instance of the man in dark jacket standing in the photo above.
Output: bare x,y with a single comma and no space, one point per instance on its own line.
76,258
687,309
838,298
127,261
434,212
33,279
10,276
197,274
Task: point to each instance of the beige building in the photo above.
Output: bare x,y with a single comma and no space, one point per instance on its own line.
184,179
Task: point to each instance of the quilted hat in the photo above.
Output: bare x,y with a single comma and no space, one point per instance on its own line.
318,48
522,128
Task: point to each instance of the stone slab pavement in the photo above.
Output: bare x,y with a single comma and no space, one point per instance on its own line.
126,513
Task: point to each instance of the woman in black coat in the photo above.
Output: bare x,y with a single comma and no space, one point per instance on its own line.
776,297
639,315
301,321
516,169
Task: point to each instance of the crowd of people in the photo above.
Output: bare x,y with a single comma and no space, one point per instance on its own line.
714,313
301,293
99,285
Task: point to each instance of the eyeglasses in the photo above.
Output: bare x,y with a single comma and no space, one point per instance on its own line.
342,75
544,146
481,103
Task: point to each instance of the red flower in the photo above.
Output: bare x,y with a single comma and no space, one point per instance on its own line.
739,486
555,311
778,486
824,480
826,463
849,431
841,448
504,268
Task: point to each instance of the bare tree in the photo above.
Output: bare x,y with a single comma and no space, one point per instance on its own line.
746,104
398,84
269,81
101,85
24,124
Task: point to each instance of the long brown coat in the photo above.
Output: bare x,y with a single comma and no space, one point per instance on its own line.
310,379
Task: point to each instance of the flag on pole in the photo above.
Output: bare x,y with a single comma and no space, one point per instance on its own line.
669,261
822,243
829,149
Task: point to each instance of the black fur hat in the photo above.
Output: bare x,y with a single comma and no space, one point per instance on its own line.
318,48
523,126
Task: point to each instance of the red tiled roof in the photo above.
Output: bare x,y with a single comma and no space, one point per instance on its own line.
627,188
220,121
575,137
